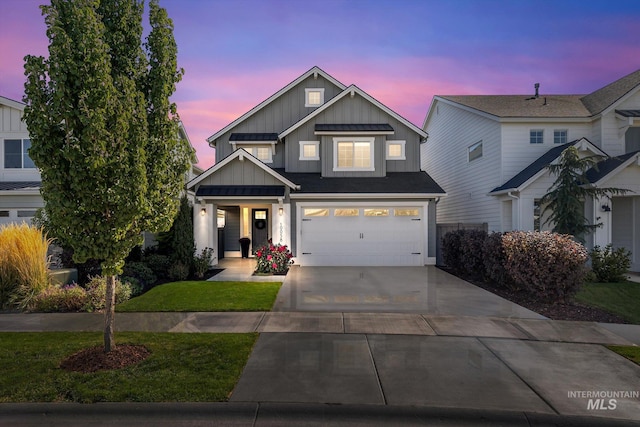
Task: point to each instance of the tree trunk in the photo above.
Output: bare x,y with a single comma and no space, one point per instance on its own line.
109,314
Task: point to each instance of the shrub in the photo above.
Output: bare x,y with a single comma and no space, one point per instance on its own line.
139,271
23,264
60,299
451,249
273,259
178,272
159,264
134,285
550,266
96,292
609,265
494,259
471,262
202,262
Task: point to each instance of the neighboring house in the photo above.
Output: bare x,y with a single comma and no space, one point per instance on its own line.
19,179
491,152
325,169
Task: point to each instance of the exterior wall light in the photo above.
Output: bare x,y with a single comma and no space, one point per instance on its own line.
606,208
203,212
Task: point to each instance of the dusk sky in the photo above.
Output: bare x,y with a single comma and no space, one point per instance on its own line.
236,53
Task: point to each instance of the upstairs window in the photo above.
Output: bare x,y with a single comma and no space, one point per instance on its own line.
474,151
16,154
309,150
353,154
395,150
261,152
313,97
536,136
560,136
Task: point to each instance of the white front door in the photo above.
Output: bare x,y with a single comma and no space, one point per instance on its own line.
361,236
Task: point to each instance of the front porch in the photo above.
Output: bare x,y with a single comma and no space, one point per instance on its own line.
241,270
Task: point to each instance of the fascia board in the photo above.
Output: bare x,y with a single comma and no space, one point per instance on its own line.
268,101
366,195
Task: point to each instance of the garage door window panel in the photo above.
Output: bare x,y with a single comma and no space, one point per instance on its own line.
311,212
346,212
406,212
376,212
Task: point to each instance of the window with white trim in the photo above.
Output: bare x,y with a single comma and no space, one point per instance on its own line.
474,151
261,152
395,150
313,97
353,154
16,154
309,150
560,136
536,136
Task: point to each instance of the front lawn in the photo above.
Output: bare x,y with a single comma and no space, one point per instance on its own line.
630,352
205,296
181,367
621,298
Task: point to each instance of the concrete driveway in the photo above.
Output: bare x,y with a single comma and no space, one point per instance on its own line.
424,290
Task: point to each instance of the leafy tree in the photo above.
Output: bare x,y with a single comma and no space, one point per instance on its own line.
566,196
104,134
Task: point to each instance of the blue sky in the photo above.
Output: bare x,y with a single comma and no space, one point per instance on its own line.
236,53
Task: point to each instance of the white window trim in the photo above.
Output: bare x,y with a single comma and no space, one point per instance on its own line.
402,155
254,153
566,131
370,140
313,89
22,154
536,130
316,144
469,148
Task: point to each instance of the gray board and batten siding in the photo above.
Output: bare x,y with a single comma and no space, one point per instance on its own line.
278,115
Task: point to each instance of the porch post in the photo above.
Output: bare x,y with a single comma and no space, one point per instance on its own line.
205,228
281,224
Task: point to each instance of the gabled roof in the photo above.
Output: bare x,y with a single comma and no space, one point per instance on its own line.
11,103
312,71
243,155
547,106
598,101
539,166
398,183
611,166
352,91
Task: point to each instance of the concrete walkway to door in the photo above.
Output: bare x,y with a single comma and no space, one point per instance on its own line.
425,290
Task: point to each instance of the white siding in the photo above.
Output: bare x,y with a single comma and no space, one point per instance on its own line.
13,127
613,139
444,157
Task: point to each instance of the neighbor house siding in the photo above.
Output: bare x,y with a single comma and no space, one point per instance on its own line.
11,121
13,127
279,115
445,158
614,141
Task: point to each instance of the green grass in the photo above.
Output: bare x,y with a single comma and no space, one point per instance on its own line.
630,352
621,298
206,296
182,367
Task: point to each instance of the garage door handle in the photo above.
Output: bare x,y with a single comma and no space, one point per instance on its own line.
416,253
306,253
415,219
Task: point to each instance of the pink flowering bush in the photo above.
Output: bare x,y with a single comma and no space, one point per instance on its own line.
548,265
273,259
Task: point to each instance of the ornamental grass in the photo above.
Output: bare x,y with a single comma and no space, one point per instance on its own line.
24,264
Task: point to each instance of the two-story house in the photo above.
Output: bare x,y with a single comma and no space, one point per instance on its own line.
325,169
19,178
491,153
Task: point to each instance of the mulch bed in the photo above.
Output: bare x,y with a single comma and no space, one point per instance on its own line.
95,359
572,310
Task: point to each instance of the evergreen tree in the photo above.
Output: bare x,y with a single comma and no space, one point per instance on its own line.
104,134
182,245
566,197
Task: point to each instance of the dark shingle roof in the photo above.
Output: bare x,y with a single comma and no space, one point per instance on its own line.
23,185
628,113
254,136
353,127
394,182
535,167
607,166
240,190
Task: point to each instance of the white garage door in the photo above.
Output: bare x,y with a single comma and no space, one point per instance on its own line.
361,236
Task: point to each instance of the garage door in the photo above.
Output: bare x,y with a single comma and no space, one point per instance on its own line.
361,236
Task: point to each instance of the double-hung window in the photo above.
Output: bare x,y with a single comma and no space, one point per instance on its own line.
536,136
353,154
16,154
560,136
